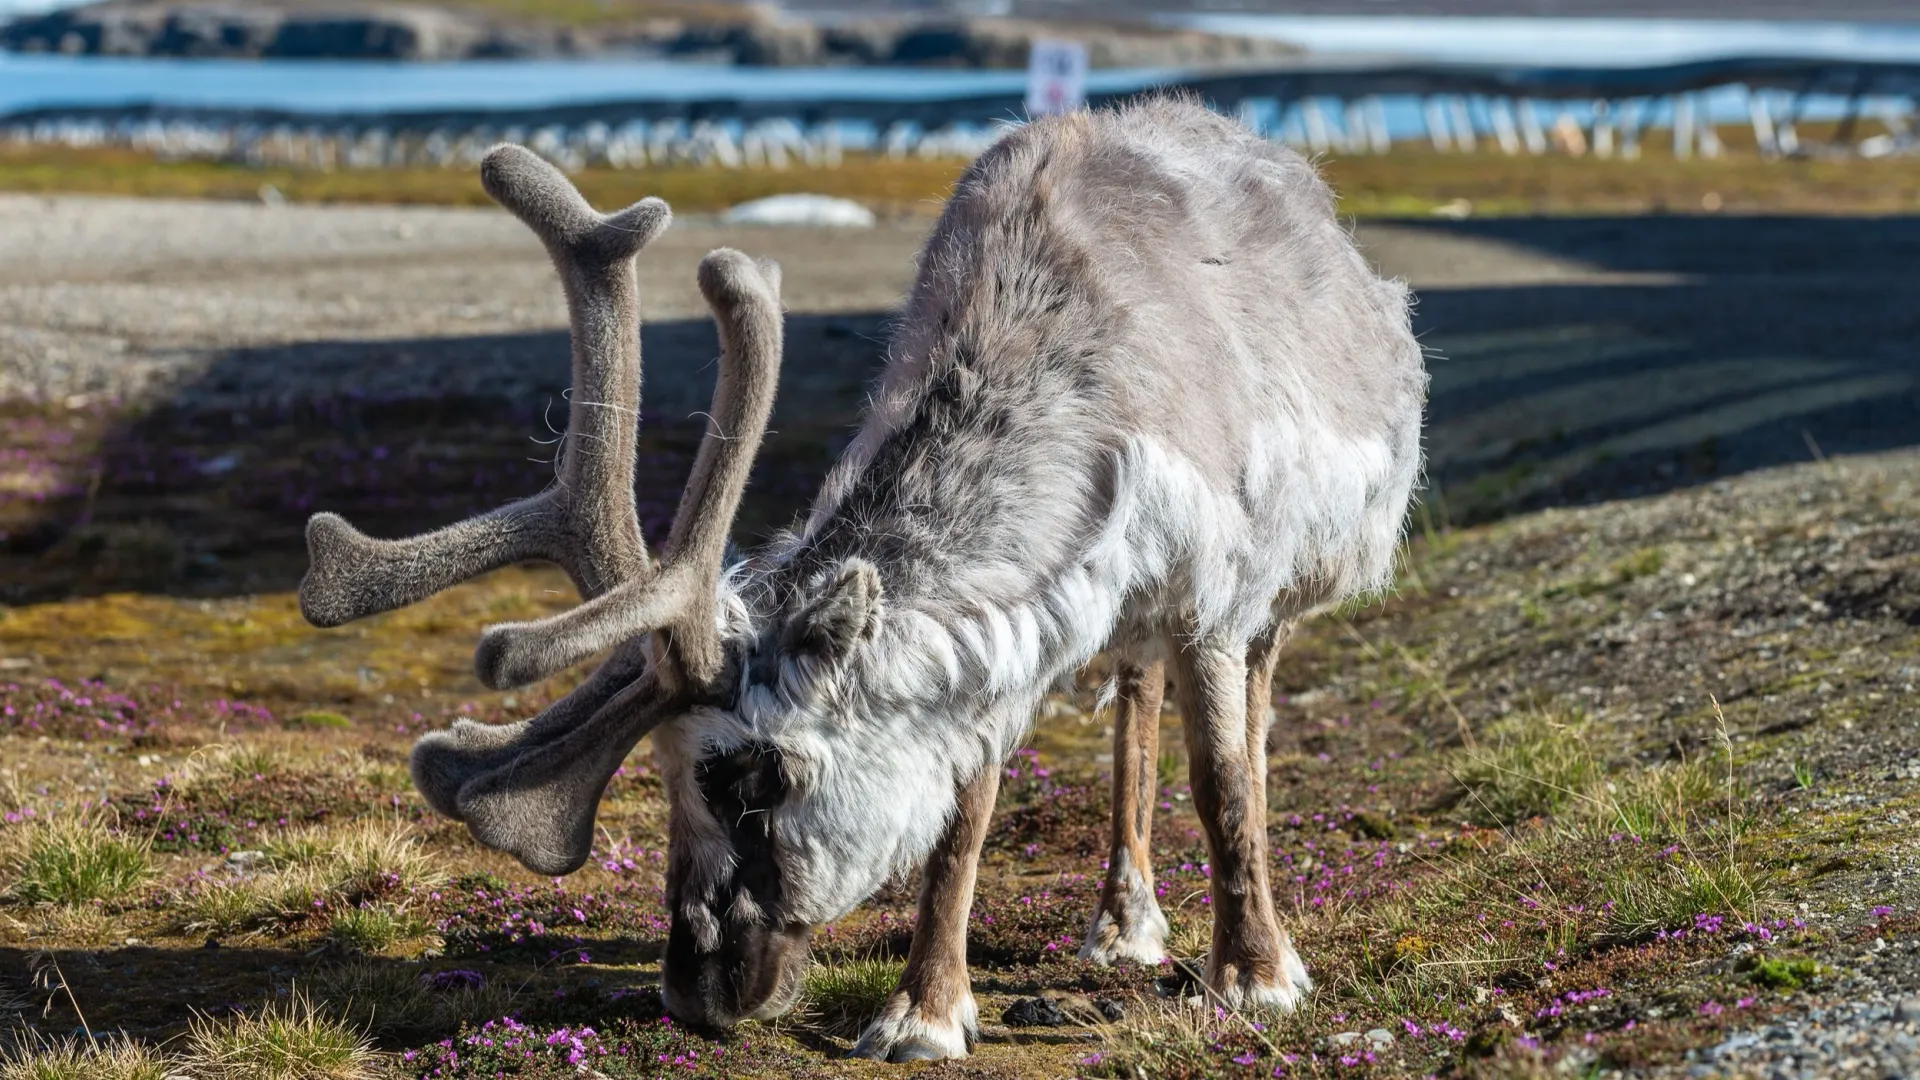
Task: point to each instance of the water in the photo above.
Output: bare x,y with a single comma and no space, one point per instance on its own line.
1570,42
320,86
345,86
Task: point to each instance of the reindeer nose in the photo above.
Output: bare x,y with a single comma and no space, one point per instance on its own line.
755,974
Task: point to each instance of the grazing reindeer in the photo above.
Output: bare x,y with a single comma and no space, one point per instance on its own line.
1145,397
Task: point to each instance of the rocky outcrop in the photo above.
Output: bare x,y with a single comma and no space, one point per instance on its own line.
388,33
404,32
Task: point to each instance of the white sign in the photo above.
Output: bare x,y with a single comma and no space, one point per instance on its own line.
1056,77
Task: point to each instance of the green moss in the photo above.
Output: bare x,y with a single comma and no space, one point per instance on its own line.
320,718
1645,562
1785,973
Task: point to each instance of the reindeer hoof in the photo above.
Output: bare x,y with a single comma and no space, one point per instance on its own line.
900,1034
1141,940
1283,994
910,1049
915,1050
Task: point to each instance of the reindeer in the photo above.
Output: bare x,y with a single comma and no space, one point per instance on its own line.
1145,397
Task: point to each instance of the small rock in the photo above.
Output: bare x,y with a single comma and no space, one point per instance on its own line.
1345,1038
1113,1012
1033,1012
1907,1011
1379,1037
810,210
245,860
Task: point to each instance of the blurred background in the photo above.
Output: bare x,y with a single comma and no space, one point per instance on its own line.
1654,243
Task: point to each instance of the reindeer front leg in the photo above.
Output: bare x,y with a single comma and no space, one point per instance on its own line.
1127,922
1252,962
932,1015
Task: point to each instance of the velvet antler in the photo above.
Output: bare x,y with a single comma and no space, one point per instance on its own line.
539,805
531,788
680,599
586,522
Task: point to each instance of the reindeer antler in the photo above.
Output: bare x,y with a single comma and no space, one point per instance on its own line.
531,788
586,522
538,801
745,299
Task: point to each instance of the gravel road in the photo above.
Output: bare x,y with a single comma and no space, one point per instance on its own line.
1575,358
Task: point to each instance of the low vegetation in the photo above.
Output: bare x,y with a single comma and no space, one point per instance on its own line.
290,1039
76,858
33,1056
1410,181
840,996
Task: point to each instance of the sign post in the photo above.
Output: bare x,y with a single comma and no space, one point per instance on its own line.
1056,77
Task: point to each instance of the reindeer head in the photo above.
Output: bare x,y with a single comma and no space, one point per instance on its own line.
532,788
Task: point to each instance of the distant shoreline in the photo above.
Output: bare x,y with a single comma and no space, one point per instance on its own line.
744,36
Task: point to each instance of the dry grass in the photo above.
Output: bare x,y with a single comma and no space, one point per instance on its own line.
897,186
343,871
1536,766
32,1056
286,1040
384,998
1410,181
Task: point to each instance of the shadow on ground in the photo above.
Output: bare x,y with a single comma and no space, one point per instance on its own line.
1679,350
150,992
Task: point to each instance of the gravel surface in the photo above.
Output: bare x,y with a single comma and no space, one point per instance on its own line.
210,303
1574,358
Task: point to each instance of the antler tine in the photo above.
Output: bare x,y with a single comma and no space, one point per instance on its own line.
680,599
540,806
443,762
586,523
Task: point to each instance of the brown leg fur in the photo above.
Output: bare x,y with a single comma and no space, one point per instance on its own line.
932,1014
1127,923
1252,962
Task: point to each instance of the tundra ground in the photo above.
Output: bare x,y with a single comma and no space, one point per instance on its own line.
1619,778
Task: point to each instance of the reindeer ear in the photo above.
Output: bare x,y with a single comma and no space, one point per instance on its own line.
846,612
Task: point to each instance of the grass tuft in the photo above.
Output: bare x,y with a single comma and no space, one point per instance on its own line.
74,860
384,998
1539,767
839,997
1660,802
33,1056
286,1040
1675,895
371,928
218,908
